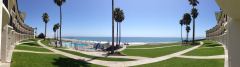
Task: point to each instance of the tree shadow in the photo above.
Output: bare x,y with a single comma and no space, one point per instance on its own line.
68,62
212,45
31,44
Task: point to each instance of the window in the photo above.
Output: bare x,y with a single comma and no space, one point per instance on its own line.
5,3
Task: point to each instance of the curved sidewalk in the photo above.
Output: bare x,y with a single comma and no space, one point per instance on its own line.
120,64
203,57
155,47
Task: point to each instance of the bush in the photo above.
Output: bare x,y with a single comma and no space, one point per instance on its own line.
41,35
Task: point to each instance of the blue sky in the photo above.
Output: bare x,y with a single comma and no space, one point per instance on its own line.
143,18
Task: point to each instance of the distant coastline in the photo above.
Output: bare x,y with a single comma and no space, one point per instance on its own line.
131,39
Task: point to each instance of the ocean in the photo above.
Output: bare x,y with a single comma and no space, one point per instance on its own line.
131,39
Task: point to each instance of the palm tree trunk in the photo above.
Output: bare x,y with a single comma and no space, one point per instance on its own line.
117,38
193,40
45,31
181,35
60,26
120,34
112,51
55,35
187,37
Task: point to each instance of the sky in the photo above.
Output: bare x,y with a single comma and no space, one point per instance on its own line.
143,18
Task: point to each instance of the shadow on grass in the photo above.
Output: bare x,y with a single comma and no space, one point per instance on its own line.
212,45
68,62
31,44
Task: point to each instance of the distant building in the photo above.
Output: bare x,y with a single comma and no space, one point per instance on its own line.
12,28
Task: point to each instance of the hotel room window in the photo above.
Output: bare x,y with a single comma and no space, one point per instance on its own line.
5,3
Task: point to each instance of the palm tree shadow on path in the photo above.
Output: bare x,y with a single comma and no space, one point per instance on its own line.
68,62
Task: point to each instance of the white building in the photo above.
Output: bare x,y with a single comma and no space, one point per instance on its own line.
12,29
227,31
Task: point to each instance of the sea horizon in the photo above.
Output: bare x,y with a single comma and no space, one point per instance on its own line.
130,39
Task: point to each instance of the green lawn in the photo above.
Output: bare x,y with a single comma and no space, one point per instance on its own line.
209,48
154,52
151,46
182,62
87,56
32,48
21,59
29,40
206,51
31,44
95,57
208,43
45,42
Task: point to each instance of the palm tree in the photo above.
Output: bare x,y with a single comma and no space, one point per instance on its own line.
119,17
54,30
45,18
181,23
188,30
59,3
112,47
187,20
57,26
194,14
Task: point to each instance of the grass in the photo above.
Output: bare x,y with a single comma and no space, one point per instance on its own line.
32,48
154,52
21,59
31,44
46,42
209,48
151,46
208,43
94,57
29,40
206,51
183,62
87,56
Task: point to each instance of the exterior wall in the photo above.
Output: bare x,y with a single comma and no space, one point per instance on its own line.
13,29
1,9
220,33
232,37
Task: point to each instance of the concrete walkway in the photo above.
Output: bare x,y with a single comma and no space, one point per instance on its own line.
203,57
4,64
155,47
27,51
123,48
121,64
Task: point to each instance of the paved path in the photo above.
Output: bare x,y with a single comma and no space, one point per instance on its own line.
4,64
162,58
203,57
123,48
155,47
33,51
123,63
